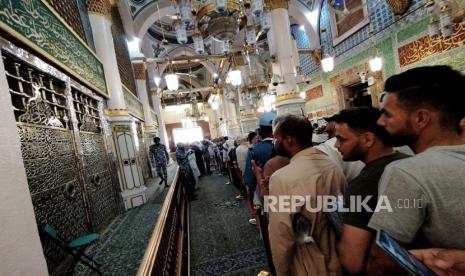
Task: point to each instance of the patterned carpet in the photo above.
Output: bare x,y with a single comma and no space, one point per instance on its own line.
123,243
222,240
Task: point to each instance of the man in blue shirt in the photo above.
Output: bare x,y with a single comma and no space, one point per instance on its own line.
261,152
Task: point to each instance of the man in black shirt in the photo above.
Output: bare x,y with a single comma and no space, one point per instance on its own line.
360,138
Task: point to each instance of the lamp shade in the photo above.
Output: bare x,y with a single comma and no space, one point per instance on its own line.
221,5
198,44
172,82
225,47
266,21
214,105
235,77
376,64
250,35
257,7
328,64
181,34
186,13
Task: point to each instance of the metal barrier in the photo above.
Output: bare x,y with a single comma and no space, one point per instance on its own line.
168,250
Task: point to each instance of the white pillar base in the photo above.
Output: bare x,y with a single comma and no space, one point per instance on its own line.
234,131
291,106
135,197
249,124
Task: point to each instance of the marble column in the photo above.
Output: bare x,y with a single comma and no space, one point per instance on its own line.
288,99
229,105
150,126
161,122
123,125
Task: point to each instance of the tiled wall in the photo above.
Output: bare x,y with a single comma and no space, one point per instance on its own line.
303,42
81,4
385,32
69,11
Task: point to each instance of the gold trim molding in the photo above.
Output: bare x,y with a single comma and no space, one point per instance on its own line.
288,96
116,112
150,128
249,116
258,85
277,4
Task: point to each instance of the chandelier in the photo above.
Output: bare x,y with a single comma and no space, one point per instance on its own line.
443,14
221,19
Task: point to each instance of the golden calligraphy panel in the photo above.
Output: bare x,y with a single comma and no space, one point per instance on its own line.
425,47
314,93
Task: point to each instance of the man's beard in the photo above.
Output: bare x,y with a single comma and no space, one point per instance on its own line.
404,136
281,151
355,154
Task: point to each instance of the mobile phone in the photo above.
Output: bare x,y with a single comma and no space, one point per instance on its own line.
411,264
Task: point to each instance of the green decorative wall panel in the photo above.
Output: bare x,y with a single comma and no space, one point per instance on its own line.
36,24
137,6
133,104
413,30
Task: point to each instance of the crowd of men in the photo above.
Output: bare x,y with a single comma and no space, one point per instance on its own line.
409,152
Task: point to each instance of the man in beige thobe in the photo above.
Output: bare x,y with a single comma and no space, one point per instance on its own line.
310,173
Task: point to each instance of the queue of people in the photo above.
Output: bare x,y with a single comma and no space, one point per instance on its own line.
364,159
408,157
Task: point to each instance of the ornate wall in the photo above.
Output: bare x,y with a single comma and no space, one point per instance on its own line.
402,42
59,124
70,12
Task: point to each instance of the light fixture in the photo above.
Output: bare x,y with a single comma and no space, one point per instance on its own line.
445,19
172,82
221,5
302,28
181,34
186,13
225,47
235,77
214,105
157,80
198,43
443,14
303,95
268,102
327,63
376,63
266,21
250,35
257,7
433,28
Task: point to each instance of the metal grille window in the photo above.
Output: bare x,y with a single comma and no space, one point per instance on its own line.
60,128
